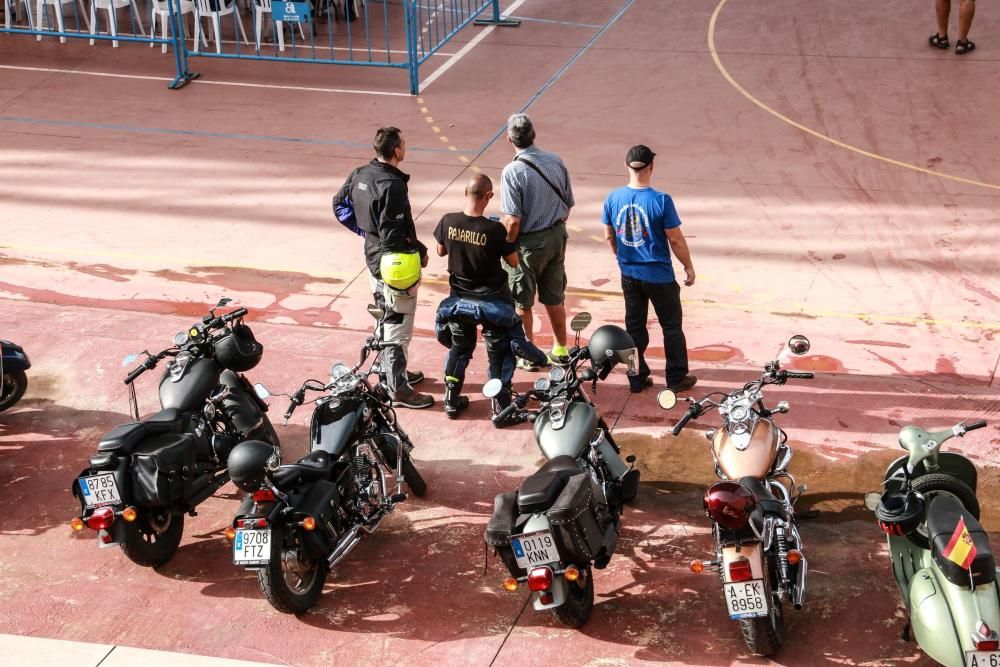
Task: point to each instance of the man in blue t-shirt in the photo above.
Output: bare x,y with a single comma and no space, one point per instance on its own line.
641,227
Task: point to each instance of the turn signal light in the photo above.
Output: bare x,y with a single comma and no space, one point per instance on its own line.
309,523
76,524
230,533
129,514
697,566
739,570
510,584
571,573
101,519
540,579
794,557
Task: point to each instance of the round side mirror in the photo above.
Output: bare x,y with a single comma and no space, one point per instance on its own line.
375,311
872,500
261,391
492,388
667,399
798,344
224,301
580,322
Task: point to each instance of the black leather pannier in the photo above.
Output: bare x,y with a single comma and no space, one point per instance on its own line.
162,469
574,522
499,529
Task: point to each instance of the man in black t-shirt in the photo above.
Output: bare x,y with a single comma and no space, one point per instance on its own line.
474,246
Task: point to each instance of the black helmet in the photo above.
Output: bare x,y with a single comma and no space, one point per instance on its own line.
239,351
247,463
611,345
899,513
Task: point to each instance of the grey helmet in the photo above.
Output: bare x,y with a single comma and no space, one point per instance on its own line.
611,345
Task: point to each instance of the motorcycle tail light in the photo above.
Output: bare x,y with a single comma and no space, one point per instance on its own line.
985,639
240,523
540,579
77,524
739,570
263,496
988,645
101,519
729,504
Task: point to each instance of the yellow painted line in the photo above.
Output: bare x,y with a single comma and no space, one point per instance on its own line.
463,159
423,109
436,129
443,139
819,135
574,228
430,120
420,100
452,148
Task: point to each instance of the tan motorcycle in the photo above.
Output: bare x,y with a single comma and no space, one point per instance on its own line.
758,552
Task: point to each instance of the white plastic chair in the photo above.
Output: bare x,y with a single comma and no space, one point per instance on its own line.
161,9
8,10
112,7
42,15
259,9
203,9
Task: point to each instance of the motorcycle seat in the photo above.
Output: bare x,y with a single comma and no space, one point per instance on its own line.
943,516
165,421
123,439
540,490
767,503
314,465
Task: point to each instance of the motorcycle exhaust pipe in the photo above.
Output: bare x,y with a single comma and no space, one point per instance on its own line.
799,593
344,545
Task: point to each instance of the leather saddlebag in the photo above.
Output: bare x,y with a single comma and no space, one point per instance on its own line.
574,521
499,529
162,469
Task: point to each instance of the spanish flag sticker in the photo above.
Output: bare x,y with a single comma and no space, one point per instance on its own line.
960,549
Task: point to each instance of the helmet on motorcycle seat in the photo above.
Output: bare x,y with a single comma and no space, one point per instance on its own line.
247,463
611,345
899,513
238,351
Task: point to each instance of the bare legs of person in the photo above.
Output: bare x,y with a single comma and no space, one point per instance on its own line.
966,10
943,12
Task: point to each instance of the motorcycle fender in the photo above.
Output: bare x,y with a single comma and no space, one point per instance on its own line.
536,523
934,626
12,357
949,463
751,552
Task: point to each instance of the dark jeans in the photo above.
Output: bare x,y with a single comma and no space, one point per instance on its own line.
463,344
666,300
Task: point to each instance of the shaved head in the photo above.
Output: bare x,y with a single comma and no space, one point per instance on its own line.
479,186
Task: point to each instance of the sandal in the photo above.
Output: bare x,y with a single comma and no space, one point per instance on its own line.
963,46
939,41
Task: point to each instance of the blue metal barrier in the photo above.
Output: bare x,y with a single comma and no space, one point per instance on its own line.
400,34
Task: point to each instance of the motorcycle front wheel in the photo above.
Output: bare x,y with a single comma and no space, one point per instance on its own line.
152,539
12,387
579,601
765,635
290,583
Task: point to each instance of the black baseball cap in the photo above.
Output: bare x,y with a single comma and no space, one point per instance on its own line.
639,156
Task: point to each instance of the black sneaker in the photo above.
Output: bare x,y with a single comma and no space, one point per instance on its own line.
683,384
457,407
414,377
412,399
639,386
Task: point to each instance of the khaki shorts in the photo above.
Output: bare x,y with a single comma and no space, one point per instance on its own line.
542,268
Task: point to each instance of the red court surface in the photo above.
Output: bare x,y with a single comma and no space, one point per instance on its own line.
835,175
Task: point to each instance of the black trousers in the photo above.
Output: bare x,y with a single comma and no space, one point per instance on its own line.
666,300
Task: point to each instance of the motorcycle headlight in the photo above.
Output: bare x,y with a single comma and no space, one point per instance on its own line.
178,366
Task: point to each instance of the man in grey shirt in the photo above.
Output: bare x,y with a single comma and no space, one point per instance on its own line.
535,199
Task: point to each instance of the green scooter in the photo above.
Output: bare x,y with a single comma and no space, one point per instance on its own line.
941,556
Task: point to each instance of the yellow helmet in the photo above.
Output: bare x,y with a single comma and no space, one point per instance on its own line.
400,270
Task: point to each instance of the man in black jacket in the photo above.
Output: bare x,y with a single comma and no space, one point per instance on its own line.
379,197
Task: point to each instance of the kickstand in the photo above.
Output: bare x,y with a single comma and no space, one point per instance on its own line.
486,558
906,632
806,514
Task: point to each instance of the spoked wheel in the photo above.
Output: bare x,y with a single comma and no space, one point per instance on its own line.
937,484
152,539
12,387
289,581
579,600
765,635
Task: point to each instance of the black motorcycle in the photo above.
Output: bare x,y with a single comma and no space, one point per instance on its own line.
149,473
565,518
300,520
13,379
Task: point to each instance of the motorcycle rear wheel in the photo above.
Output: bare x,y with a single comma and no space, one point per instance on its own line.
153,538
765,635
579,601
940,484
13,384
283,581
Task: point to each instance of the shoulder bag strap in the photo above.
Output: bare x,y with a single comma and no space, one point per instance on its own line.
544,178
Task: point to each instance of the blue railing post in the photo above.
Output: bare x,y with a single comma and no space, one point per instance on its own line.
413,65
497,19
184,76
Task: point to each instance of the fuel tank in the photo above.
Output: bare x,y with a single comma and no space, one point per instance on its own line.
190,392
337,424
755,460
573,437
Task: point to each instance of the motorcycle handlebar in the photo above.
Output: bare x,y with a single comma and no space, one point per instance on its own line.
506,412
679,426
236,314
147,365
296,401
979,423
799,375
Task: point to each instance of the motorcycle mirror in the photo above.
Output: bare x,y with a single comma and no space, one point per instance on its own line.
798,344
261,391
492,388
872,500
129,360
580,322
588,375
542,384
375,311
224,301
667,399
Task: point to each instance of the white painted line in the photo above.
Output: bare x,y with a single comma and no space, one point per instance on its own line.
319,47
465,49
208,82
